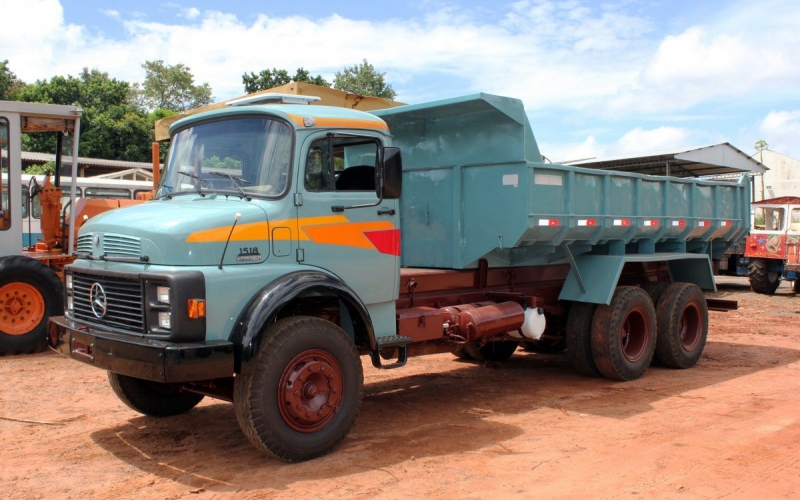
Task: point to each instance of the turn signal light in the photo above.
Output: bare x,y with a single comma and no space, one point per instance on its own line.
197,308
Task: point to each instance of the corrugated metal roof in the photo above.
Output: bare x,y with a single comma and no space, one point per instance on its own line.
95,162
717,159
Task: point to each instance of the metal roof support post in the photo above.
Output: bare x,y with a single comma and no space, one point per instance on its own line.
75,142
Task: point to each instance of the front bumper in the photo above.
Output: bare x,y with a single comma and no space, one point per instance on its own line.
142,358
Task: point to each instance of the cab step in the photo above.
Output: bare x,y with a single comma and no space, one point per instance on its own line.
390,342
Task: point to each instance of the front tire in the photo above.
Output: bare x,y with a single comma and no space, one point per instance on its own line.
30,293
624,334
762,280
303,395
682,316
154,399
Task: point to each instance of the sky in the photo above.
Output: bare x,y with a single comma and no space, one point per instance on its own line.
597,78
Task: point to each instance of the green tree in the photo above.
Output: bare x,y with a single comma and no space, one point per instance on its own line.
170,87
9,83
110,127
362,79
761,145
267,79
47,168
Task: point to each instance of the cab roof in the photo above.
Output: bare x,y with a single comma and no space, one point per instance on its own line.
300,116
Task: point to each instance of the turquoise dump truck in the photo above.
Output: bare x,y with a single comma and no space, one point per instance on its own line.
287,240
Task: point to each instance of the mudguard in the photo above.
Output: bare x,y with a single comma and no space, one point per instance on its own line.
249,331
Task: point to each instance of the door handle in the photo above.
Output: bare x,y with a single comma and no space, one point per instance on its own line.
387,211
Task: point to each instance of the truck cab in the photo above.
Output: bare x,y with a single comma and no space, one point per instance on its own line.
773,245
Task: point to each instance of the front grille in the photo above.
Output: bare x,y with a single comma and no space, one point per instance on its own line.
118,245
124,301
85,244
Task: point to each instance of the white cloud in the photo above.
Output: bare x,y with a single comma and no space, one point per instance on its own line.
190,13
639,140
781,130
597,64
600,60
636,141
571,152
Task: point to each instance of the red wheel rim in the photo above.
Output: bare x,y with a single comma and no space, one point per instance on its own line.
690,327
635,334
310,391
22,308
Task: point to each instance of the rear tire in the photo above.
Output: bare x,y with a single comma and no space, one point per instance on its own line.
654,289
624,334
303,395
154,399
30,293
762,280
579,339
682,316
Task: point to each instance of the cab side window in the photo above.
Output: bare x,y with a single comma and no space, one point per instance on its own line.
341,164
768,218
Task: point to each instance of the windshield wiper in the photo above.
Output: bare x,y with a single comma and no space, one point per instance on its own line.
167,194
195,184
236,180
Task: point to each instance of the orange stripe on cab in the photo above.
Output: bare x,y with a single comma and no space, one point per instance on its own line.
242,232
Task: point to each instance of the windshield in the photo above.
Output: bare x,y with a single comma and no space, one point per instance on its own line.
241,156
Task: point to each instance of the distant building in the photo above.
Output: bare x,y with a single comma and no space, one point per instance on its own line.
721,159
89,167
782,178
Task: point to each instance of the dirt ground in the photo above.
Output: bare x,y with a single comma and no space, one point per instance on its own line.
441,428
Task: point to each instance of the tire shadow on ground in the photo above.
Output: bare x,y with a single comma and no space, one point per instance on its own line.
442,413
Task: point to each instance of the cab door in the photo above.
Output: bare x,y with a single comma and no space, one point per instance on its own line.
342,226
793,237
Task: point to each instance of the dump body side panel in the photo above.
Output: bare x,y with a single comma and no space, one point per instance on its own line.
475,187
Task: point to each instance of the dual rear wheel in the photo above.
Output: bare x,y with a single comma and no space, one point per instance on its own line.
619,340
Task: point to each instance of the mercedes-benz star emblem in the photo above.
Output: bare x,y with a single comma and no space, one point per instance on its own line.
97,296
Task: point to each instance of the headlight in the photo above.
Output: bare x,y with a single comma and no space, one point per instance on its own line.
69,303
164,320
162,293
68,281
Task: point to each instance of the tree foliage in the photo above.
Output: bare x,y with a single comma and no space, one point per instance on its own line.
110,127
9,83
47,168
267,79
170,87
761,145
364,80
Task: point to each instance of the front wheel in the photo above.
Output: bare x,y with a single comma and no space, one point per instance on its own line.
624,334
154,399
762,279
304,393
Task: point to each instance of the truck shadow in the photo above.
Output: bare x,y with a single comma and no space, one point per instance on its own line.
418,416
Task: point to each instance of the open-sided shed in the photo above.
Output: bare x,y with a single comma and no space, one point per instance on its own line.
704,161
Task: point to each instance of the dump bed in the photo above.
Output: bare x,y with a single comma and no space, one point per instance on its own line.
475,187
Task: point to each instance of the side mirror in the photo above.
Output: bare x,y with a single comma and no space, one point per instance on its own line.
389,173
